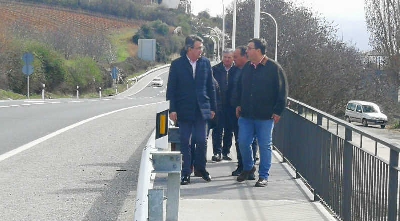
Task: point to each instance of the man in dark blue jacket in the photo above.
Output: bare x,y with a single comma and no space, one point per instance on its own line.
222,134
191,93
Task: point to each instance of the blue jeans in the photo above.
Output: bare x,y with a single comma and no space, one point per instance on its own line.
262,130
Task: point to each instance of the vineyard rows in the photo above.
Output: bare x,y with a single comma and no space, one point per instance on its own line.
44,18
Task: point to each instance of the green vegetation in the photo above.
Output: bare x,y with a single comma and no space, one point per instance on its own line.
323,71
4,95
121,41
396,125
166,44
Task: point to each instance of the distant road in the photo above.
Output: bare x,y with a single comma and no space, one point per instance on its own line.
23,121
80,157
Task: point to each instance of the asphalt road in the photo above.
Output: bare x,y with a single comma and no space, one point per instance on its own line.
75,159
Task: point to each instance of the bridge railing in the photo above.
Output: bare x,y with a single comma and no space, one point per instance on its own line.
354,173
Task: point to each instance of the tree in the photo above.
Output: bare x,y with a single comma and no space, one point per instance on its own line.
319,66
383,22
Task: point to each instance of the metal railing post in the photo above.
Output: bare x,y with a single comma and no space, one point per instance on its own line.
347,174
393,185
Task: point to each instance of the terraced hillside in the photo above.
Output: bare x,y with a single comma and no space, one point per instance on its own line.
43,18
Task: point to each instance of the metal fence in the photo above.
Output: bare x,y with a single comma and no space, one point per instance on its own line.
354,173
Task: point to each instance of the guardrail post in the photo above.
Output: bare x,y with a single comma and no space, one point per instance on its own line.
171,163
173,138
347,174
156,198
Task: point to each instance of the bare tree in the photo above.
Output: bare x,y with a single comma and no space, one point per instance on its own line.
321,70
383,22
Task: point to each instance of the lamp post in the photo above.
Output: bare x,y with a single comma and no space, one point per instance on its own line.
234,25
223,26
219,40
276,34
257,18
215,45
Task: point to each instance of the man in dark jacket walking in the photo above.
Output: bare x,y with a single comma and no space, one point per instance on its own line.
223,132
191,93
262,96
240,59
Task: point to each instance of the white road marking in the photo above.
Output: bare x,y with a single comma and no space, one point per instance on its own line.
42,139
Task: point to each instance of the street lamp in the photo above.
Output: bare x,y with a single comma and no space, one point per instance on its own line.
219,39
257,18
223,25
215,44
276,34
234,25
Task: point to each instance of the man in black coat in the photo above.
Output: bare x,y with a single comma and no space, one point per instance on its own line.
223,132
191,93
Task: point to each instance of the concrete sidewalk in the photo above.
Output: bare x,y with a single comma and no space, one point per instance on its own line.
225,199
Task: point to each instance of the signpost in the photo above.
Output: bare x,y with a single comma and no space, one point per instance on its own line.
114,74
28,68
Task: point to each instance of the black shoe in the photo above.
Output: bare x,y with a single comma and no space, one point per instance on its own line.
244,175
237,171
197,173
252,176
226,157
261,183
185,180
205,175
216,157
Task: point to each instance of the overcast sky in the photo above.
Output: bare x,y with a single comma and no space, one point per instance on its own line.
347,15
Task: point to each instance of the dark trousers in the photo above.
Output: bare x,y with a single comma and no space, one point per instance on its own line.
223,133
193,147
193,131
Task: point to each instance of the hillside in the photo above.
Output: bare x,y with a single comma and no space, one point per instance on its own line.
44,18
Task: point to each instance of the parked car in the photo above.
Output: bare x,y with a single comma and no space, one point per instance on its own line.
157,82
365,112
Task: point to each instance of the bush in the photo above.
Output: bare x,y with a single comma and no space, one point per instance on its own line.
84,72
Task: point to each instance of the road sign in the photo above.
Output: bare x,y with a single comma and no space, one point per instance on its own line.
27,58
114,73
27,69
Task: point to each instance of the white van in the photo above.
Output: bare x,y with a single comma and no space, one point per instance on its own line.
365,112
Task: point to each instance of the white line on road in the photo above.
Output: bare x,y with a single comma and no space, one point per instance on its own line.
42,139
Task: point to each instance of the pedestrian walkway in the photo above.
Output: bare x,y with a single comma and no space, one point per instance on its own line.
225,199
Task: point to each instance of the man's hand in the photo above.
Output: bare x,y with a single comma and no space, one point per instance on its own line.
212,114
276,118
173,117
238,110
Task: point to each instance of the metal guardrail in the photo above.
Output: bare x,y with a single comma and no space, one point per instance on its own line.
156,158
356,180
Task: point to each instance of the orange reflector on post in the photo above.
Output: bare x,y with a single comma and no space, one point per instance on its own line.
163,122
